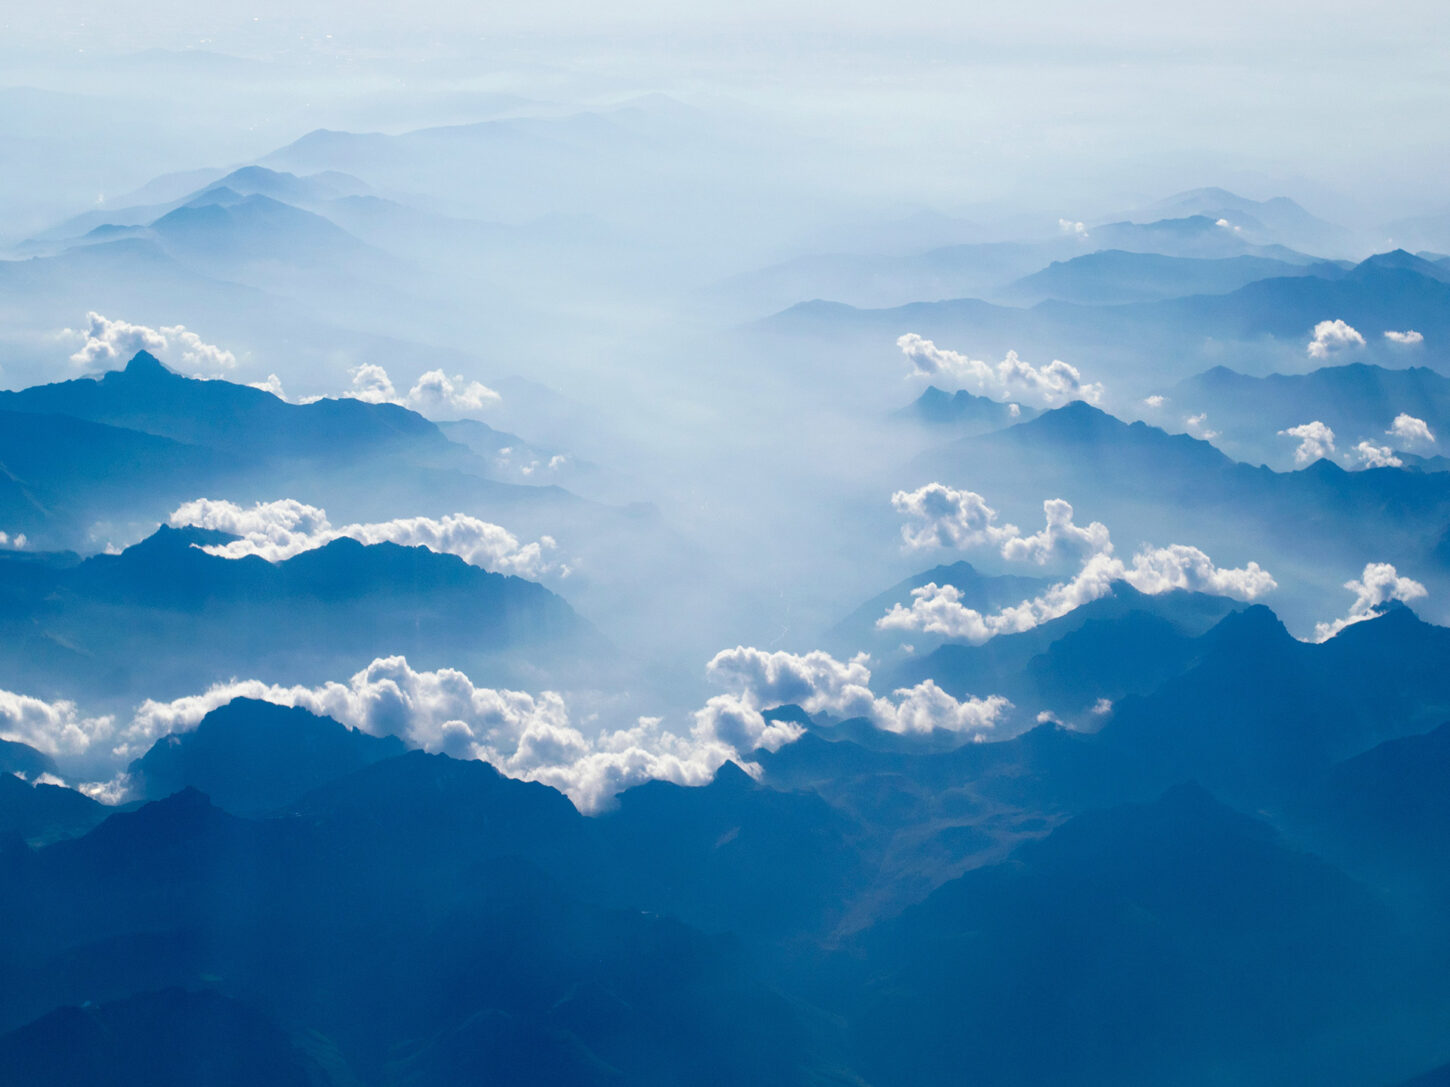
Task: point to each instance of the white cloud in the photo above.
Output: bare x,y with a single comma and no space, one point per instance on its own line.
1376,586
1316,440
1374,456
1155,401
278,530
1197,427
16,542
1074,227
1409,337
1048,386
938,609
523,735
1411,431
819,683
942,516
108,343
56,728
1332,336
272,385
435,395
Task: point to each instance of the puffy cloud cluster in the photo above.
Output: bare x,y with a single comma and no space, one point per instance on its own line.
1331,336
56,728
278,530
523,735
819,683
1370,455
938,609
1316,440
1048,386
941,516
1411,431
435,395
1408,338
17,542
110,343
1074,227
1376,586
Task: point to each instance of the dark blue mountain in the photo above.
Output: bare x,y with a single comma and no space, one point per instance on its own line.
193,618
37,814
964,410
254,757
1174,941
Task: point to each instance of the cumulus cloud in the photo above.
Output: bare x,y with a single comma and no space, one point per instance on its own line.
1330,336
435,394
1048,386
16,542
819,683
1370,455
107,344
272,385
523,735
56,728
1409,337
1074,227
941,516
278,530
938,609
1411,431
1316,440
1376,586
1155,401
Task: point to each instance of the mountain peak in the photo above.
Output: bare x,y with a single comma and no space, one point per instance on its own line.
144,364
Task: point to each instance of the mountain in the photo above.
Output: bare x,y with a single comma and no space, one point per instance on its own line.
180,1037
489,964
193,618
1123,643
1140,345
1148,485
253,757
1180,924
1356,401
1277,219
1112,277
1261,714
964,411
181,438
36,814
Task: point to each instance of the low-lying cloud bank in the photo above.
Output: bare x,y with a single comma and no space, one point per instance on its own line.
524,735
1049,386
1379,584
279,530
942,516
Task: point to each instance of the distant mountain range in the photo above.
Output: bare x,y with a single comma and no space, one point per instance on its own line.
193,619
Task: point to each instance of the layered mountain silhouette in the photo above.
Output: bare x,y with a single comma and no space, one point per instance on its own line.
193,618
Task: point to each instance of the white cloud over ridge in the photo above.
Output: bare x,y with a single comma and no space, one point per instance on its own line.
1316,441
108,344
819,683
943,516
1332,336
1370,455
1408,338
1049,386
435,395
1379,584
16,542
279,530
1411,431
